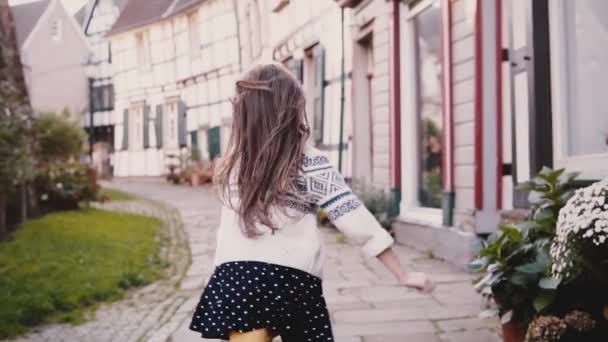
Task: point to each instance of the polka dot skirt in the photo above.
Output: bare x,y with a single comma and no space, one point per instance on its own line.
246,295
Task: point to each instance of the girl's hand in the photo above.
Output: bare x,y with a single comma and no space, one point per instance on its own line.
417,280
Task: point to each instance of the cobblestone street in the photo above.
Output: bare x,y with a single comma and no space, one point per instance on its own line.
365,302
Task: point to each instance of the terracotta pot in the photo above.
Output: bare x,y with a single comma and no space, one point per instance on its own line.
195,179
513,332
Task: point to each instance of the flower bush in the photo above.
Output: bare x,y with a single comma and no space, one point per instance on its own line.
63,185
581,243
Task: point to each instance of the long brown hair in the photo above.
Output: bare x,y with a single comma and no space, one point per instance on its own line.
269,130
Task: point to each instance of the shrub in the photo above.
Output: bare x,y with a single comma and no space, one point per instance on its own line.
63,185
58,138
515,262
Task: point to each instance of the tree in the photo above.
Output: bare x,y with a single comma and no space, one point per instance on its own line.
15,115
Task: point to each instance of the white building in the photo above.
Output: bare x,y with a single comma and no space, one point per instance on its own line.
174,65
53,53
96,18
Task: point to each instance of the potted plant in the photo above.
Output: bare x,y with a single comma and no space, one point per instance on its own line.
580,255
515,262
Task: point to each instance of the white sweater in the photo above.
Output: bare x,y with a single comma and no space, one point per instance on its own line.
297,241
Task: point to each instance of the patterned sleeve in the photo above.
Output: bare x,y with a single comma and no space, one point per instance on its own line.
326,187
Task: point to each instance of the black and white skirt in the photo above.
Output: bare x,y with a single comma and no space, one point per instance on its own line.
244,296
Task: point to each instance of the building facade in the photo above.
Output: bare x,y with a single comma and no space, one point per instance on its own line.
481,95
446,104
53,52
173,77
96,18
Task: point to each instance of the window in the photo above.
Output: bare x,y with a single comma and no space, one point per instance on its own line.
319,81
194,34
143,49
578,31
423,114
170,134
137,129
103,98
56,30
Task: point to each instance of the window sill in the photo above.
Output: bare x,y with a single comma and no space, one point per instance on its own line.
423,216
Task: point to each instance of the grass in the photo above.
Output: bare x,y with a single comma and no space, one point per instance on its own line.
62,264
114,195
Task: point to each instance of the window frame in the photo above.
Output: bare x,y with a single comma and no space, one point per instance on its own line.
410,208
57,30
588,165
170,132
136,134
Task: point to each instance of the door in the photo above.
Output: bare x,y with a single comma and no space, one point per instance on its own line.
527,94
213,135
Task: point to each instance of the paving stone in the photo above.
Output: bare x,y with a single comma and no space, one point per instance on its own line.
471,336
384,329
463,324
427,337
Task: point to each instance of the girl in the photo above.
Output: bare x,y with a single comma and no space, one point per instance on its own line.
267,280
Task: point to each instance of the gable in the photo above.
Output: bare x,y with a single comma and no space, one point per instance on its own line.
26,16
68,27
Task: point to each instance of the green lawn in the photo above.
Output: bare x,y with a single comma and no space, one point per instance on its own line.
63,263
114,195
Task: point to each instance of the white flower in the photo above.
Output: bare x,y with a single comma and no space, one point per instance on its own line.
584,216
44,197
59,186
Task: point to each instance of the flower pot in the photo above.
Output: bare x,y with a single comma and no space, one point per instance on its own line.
513,331
195,179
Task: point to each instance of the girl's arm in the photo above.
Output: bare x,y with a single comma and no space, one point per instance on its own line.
326,187
417,280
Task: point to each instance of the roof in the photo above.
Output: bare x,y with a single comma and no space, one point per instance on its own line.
26,16
83,14
79,15
138,13
182,6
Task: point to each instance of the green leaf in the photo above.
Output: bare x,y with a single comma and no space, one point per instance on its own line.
506,317
512,232
478,265
533,267
521,279
543,300
489,280
549,283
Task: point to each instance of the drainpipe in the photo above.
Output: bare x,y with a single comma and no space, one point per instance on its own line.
449,194
395,191
91,127
342,94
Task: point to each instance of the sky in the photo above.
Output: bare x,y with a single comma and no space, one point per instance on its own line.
71,5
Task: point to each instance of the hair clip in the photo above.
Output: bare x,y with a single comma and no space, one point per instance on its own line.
253,85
